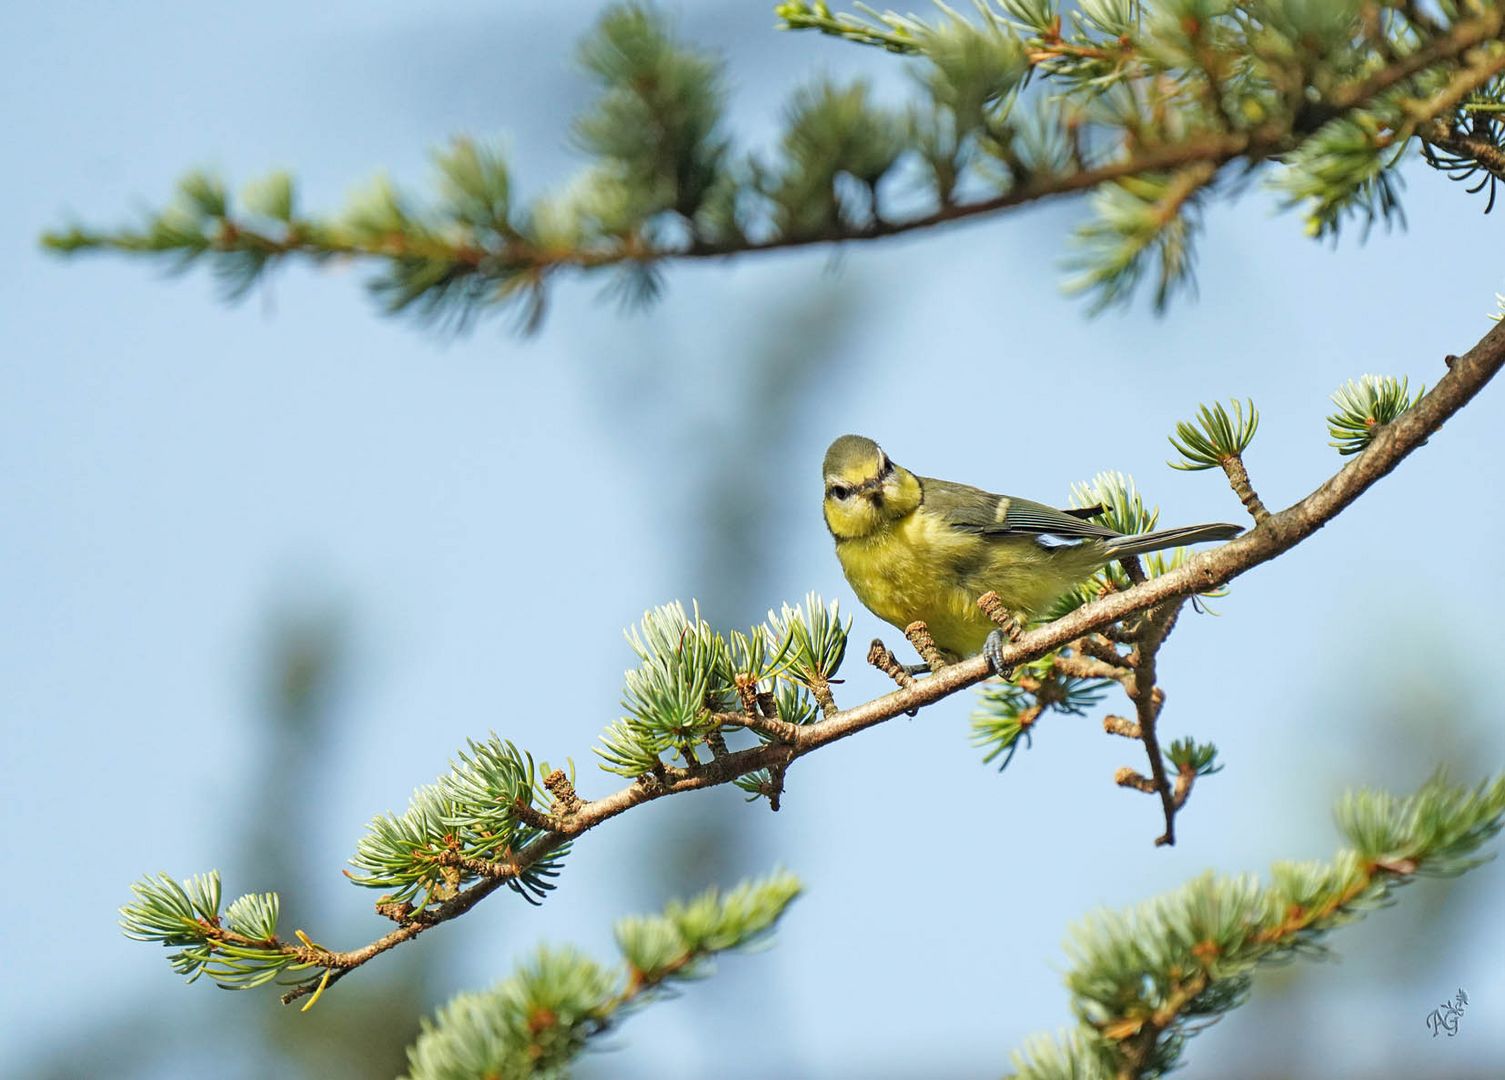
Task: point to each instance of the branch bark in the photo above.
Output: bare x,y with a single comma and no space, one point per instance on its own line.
1489,157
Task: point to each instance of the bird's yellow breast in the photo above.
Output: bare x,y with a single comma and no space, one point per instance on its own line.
916,568
919,567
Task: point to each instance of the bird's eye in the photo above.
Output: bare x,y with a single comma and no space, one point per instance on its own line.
838,491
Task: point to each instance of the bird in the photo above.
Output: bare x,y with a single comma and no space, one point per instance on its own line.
916,549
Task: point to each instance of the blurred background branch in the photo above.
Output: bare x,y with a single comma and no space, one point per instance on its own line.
1143,105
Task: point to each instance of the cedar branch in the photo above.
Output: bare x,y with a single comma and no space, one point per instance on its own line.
1277,534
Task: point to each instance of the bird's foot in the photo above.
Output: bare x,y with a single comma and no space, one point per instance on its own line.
992,649
916,669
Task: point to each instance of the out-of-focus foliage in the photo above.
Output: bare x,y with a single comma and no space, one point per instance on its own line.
536,1023
1143,982
1156,108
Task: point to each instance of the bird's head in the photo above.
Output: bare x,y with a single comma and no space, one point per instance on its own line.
865,490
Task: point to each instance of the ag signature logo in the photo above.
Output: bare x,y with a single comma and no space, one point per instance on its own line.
1443,1020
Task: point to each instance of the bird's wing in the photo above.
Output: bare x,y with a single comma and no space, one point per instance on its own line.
970,509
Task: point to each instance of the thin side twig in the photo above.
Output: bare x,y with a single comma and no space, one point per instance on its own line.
1148,700
1238,479
919,636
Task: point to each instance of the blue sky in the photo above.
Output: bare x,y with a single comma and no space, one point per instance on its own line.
172,468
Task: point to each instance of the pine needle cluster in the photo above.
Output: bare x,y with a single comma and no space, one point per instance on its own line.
1366,405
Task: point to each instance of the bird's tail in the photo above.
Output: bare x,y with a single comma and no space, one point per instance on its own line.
1141,543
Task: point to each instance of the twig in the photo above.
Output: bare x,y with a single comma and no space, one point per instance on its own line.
1100,648
775,789
1238,479
1486,154
993,607
882,658
1463,36
1127,777
1481,67
778,730
534,818
820,690
566,802
919,636
1148,699
1186,775
1086,667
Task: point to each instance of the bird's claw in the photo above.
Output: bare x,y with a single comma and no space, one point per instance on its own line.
916,669
992,650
